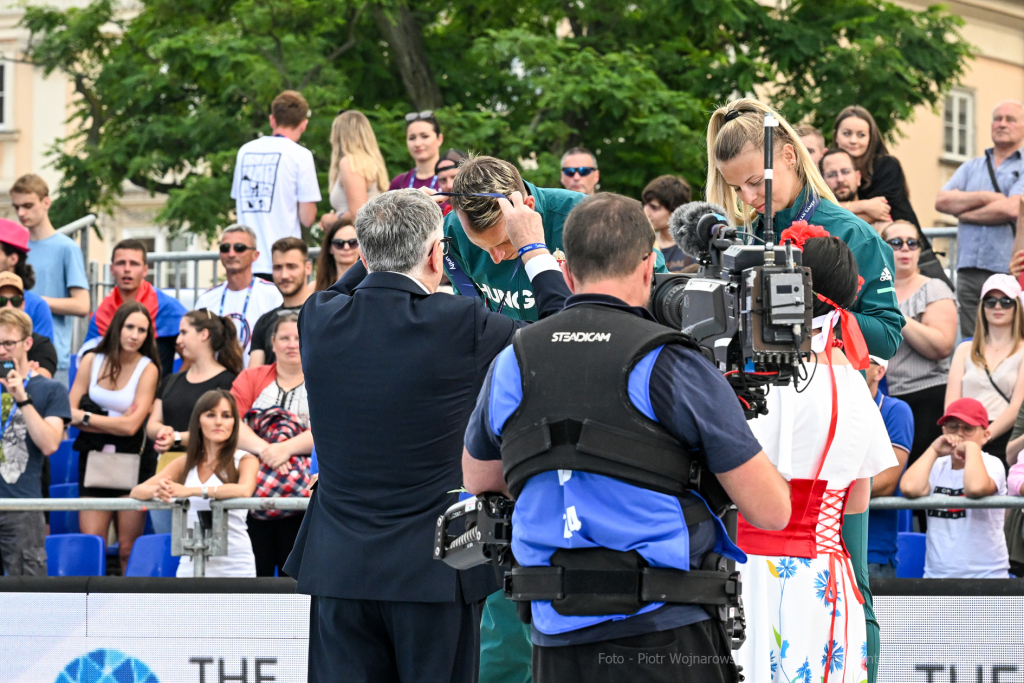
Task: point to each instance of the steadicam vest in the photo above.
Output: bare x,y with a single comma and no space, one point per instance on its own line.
576,413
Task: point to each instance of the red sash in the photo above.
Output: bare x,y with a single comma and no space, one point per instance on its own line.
108,307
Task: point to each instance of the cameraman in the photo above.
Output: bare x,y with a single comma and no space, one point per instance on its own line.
629,377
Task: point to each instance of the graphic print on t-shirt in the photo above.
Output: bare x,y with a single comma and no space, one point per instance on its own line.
947,514
259,174
13,448
244,333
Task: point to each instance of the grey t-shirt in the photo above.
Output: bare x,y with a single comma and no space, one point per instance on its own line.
21,461
908,370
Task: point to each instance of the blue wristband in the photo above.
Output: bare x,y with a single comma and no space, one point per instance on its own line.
531,247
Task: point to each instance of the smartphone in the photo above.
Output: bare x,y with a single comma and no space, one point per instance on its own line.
6,367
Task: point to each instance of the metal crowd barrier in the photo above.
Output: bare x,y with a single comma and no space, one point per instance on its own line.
210,538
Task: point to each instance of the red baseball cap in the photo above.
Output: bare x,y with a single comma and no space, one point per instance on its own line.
967,410
14,234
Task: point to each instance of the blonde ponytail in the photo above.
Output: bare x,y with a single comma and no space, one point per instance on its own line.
728,139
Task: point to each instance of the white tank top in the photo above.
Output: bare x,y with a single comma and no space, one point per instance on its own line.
239,561
115,402
339,201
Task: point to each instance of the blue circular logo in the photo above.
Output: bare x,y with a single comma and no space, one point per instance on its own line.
106,666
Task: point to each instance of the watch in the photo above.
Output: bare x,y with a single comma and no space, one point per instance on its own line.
205,491
177,440
86,418
26,402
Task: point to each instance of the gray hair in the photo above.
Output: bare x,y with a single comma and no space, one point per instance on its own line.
238,227
394,228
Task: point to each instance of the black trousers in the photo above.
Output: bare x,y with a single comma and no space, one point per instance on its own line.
699,653
272,541
378,641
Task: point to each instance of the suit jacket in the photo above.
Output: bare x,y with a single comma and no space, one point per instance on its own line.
392,375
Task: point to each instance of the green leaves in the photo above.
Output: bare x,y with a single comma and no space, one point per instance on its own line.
167,98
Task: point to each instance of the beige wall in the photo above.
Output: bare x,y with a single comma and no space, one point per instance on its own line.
996,29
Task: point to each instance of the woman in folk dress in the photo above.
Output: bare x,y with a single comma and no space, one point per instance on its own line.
825,434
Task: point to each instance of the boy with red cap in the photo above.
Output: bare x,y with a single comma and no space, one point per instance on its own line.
14,245
962,544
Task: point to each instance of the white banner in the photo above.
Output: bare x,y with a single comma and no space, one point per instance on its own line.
263,638
950,639
153,638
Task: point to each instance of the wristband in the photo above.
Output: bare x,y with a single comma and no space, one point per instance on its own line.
26,402
531,247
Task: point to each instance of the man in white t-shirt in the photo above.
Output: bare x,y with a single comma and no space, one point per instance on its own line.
275,187
962,544
243,296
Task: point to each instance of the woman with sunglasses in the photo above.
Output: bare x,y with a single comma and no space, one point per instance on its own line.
357,171
988,367
338,252
423,138
918,372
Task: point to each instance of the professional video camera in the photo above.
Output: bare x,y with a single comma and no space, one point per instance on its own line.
484,534
749,306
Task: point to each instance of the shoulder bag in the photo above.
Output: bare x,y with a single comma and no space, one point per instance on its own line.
112,470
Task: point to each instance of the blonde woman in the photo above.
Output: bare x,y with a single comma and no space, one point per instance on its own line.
988,367
799,193
357,168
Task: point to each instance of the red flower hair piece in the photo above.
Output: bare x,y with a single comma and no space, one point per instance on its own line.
800,232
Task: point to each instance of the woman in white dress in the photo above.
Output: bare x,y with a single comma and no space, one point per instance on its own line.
358,173
827,438
212,468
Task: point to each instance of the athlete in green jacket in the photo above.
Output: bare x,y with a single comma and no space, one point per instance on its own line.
736,181
504,280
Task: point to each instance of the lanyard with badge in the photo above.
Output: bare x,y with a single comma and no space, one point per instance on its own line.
412,180
14,408
248,293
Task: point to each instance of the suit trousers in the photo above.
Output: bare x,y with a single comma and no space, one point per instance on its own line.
380,641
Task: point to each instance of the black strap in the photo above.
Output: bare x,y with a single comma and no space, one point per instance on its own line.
1013,226
995,386
655,584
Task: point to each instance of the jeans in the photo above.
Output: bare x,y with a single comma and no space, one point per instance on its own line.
881,571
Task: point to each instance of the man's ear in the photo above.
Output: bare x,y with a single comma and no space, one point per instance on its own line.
309,268
273,122
28,343
986,435
567,274
650,263
530,201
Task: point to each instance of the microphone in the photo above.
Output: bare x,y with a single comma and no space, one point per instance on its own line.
692,226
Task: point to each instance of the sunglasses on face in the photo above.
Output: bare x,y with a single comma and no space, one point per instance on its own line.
419,116
897,243
964,429
341,244
584,171
1000,301
15,301
237,246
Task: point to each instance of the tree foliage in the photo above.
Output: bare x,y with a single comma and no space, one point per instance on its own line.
168,94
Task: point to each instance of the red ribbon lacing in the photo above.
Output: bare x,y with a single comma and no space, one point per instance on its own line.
854,346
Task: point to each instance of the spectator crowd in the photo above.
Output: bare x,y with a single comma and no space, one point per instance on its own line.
211,403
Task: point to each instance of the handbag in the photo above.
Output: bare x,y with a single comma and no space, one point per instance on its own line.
112,470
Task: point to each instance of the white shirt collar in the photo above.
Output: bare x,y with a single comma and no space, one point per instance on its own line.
418,283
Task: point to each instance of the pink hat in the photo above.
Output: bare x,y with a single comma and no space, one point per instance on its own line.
1007,284
16,235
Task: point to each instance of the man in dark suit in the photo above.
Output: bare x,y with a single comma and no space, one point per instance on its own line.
392,373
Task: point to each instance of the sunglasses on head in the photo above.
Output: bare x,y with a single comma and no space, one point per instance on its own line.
341,244
1000,301
15,300
419,116
495,195
584,171
237,246
897,243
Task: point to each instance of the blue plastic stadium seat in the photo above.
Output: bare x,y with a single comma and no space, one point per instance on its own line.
73,370
75,555
904,520
64,464
910,551
73,433
177,364
151,556
63,522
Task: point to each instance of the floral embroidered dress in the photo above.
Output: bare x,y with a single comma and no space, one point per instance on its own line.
803,609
